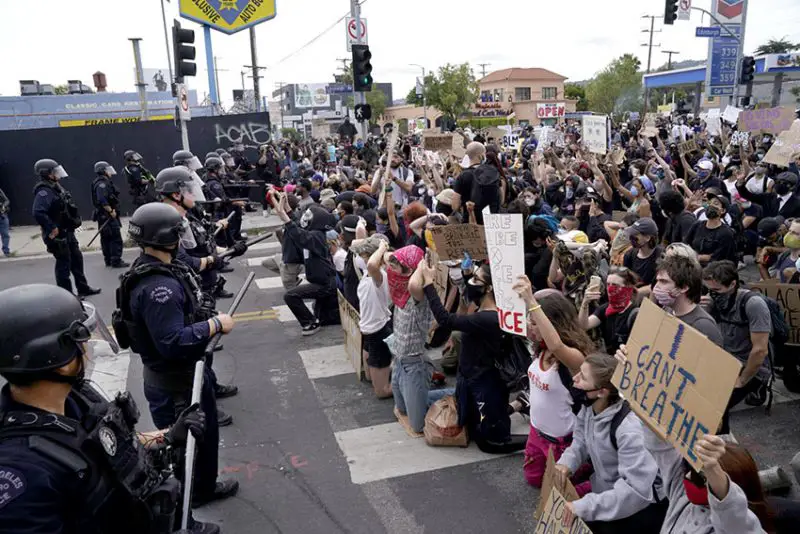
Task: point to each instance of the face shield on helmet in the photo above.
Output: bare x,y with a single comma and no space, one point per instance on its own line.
94,336
110,171
59,172
194,164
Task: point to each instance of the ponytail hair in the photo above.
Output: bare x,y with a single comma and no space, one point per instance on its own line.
603,366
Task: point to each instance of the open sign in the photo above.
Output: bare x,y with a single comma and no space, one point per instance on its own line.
551,111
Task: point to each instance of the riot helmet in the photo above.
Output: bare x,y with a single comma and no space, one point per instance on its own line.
131,156
42,328
184,158
227,159
214,164
220,151
156,225
104,169
211,155
173,180
45,168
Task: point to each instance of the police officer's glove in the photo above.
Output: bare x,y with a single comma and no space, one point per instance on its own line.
239,248
193,420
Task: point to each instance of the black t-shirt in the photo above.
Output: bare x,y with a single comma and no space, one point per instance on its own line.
644,267
463,186
595,229
678,227
537,266
719,242
615,327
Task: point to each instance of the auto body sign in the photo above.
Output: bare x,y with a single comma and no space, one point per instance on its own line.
228,16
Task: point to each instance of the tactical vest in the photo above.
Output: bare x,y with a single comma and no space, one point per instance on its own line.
123,490
205,246
65,212
132,333
112,195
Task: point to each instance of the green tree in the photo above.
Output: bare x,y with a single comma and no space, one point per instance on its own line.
776,46
413,99
290,133
62,89
452,90
616,88
576,92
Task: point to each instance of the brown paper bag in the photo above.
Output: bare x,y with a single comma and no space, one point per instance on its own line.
441,425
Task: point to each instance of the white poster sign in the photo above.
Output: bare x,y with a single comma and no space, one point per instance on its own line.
504,246
731,114
595,133
684,9
311,95
546,137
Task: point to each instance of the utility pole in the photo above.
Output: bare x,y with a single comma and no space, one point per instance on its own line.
255,68
424,95
280,86
167,41
217,70
358,97
669,60
483,69
649,46
242,73
140,85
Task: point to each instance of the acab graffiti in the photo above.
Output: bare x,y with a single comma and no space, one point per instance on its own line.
251,132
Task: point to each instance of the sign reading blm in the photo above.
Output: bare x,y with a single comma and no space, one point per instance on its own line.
676,380
228,16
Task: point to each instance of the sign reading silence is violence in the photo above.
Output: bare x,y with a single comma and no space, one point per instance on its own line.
676,380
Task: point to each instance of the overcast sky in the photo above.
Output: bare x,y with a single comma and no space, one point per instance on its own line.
575,38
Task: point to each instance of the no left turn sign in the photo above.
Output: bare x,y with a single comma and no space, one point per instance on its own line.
355,36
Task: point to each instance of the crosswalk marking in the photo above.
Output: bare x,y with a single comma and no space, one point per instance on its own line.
264,247
256,262
271,282
325,362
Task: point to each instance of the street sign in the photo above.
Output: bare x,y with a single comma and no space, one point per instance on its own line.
228,16
338,88
353,36
712,31
725,51
184,111
684,9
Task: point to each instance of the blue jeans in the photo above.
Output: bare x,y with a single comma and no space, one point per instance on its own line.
411,384
4,234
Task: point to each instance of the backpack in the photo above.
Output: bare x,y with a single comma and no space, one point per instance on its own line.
617,420
486,188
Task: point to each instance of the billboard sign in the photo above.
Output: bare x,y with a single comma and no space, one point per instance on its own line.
311,95
725,51
228,16
155,80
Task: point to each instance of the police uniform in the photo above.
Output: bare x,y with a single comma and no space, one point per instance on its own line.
53,208
163,316
84,471
215,190
138,179
105,195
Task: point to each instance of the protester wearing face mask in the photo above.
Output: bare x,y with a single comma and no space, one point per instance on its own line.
444,205
785,266
679,219
402,180
624,496
538,254
617,316
782,201
559,349
759,182
678,288
703,177
713,239
726,498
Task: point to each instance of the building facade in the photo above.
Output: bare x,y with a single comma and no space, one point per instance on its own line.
534,96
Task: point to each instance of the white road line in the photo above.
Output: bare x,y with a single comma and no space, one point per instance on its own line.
272,245
326,362
256,262
387,451
272,282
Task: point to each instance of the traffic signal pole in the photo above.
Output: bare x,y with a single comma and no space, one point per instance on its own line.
358,97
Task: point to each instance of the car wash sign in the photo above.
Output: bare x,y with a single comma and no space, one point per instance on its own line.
228,16
725,50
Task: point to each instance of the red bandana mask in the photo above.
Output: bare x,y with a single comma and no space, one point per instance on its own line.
696,494
409,257
619,297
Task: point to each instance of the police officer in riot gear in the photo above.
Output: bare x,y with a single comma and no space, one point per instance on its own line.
140,180
164,317
184,158
215,190
70,461
171,183
105,199
57,214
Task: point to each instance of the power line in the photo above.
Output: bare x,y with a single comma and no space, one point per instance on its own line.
312,41
483,68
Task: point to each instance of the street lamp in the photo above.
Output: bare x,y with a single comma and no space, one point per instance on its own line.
424,94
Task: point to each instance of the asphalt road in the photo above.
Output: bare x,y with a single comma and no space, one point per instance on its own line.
315,452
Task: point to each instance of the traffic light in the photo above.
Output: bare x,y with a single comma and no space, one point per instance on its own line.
363,112
671,12
183,51
748,69
362,68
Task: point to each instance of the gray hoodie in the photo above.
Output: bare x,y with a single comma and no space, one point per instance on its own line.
728,516
623,480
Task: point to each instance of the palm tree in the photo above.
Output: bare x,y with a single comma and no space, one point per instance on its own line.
776,46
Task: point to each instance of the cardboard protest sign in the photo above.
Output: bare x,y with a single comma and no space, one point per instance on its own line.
688,146
595,133
676,380
770,120
453,240
458,146
504,245
714,112
785,148
714,125
546,138
731,114
553,521
352,333
495,133
740,138
788,298
549,484
437,142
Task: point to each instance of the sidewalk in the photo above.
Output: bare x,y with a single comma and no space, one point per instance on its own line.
26,241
